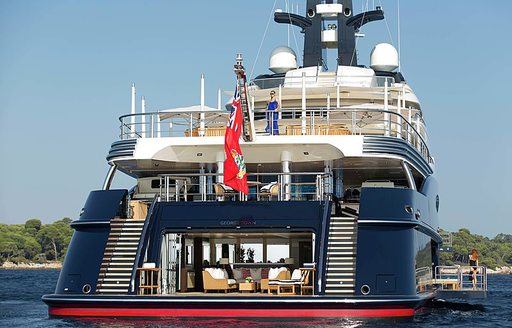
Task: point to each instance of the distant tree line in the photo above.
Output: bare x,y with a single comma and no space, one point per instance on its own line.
37,242
495,252
34,241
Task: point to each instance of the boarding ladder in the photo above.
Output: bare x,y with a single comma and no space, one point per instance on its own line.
119,256
341,256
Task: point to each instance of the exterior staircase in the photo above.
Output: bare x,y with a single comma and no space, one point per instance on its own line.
341,256
119,256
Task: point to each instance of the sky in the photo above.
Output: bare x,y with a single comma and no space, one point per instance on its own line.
66,68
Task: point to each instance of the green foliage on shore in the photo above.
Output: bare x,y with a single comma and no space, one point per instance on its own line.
34,241
495,252
37,242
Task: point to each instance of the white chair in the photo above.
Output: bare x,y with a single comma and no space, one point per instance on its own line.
271,189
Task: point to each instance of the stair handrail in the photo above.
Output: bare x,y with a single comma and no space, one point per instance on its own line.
142,241
322,256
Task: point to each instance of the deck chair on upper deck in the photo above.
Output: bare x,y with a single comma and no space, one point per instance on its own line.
269,190
222,190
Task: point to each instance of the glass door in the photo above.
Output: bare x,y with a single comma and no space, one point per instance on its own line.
171,246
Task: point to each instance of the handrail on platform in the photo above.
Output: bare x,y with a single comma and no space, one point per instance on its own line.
460,278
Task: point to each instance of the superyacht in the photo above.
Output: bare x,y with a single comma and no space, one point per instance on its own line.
338,218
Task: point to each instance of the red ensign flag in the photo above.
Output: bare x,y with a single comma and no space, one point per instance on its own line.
235,174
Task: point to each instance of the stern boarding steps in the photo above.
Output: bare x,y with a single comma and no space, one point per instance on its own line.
341,256
120,253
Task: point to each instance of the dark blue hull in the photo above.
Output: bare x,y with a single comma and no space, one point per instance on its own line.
232,307
395,247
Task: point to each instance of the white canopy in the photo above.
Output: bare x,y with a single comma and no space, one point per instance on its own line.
368,106
173,112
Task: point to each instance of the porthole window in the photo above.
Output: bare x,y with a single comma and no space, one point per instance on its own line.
86,289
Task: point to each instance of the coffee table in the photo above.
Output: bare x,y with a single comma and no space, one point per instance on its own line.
247,287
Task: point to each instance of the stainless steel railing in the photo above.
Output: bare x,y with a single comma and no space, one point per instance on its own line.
460,277
317,78
294,122
311,186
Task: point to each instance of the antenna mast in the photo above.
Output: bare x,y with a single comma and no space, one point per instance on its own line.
399,50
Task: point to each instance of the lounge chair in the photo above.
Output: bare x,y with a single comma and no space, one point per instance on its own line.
299,279
211,283
271,189
265,283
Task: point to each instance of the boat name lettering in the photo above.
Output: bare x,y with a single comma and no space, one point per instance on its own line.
241,222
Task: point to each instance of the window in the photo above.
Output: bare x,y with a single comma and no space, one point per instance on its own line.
277,253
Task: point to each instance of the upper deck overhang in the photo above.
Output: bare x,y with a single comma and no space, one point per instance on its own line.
266,149
307,152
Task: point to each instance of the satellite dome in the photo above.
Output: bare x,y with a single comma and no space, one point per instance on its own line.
282,59
384,57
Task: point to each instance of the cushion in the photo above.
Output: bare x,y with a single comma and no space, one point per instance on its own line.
256,274
264,273
268,187
246,272
237,274
296,274
219,274
286,282
226,274
216,273
231,281
273,273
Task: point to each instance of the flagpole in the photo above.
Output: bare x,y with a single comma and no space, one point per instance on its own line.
235,172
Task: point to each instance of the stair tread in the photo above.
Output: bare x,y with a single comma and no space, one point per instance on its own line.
118,259
118,263
108,290
116,241
347,291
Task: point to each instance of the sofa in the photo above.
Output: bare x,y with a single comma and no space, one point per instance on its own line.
261,275
217,279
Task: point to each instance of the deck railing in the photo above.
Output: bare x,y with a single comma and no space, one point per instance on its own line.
460,277
312,186
317,78
294,122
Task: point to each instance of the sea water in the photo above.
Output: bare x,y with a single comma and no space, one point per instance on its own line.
21,306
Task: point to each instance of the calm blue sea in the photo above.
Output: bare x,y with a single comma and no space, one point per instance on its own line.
21,306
